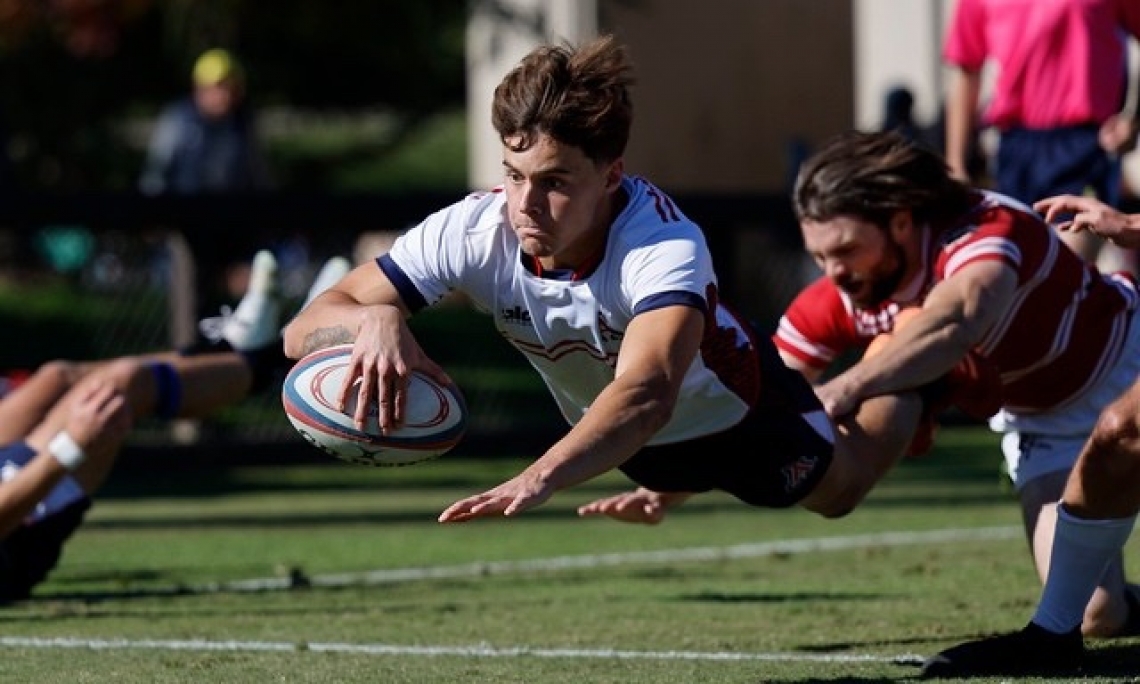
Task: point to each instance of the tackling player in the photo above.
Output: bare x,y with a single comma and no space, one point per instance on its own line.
1095,516
890,228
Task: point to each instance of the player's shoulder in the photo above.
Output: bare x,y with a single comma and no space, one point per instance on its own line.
477,210
650,205
480,204
994,216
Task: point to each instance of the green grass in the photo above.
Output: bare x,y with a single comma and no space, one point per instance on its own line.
138,573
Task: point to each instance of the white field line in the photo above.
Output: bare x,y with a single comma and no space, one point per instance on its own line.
557,563
481,651
790,546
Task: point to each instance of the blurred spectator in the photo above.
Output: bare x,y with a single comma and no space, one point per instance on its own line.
207,142
898,114
1061,75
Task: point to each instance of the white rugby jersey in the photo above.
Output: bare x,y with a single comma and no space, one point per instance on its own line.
571,329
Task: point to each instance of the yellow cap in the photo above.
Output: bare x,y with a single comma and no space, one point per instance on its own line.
215,66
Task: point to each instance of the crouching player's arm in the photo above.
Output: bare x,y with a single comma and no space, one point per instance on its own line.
99,419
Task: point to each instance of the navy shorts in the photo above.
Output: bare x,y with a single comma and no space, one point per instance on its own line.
29,553
772,458
1034,164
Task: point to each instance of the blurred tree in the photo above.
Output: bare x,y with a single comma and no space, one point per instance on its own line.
74,69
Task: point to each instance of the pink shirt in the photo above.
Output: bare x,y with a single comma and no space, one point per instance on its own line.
1059,62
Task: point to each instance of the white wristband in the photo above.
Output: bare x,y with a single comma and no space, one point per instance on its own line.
64,449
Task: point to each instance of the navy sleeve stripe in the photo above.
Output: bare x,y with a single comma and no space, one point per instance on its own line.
408,292
664,299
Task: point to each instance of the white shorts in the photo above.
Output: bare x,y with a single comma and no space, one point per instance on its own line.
1041,443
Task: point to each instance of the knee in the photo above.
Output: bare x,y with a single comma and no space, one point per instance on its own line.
836,509
1111,459
124,374
59,373
1116,434
1116,425
843,487
834,502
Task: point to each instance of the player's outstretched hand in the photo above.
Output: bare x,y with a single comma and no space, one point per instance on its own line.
1088,213
514,496
641,505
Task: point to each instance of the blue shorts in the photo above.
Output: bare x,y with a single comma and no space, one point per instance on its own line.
1034,164
772,458
29,553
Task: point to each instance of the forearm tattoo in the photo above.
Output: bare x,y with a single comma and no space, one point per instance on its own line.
327,337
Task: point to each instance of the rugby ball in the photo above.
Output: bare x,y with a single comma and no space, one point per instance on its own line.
436,416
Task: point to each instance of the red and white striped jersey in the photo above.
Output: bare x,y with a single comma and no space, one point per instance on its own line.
1064,330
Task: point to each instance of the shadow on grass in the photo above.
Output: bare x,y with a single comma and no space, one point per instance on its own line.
1117,660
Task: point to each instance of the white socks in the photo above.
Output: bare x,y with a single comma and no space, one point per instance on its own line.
1082,549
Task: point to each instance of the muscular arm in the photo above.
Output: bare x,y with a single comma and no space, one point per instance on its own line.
658,349
365,309
954,317
336,315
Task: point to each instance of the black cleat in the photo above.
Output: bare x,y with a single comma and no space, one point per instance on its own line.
1032,651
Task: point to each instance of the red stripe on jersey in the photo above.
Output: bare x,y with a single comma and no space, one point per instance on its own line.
729,351
1065,328
1067,322
662,204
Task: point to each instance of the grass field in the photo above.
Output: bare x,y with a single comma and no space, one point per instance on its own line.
339,573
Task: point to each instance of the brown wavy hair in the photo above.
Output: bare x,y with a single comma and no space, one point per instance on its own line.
580,97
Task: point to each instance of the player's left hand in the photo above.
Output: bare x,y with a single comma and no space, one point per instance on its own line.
641,505
838,397
514,496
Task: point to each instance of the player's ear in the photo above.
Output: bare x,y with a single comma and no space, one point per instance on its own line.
614,173
902,226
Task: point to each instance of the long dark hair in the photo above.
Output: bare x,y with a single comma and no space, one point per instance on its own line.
871,176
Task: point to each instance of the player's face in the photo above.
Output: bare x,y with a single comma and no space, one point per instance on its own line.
858,256
560,202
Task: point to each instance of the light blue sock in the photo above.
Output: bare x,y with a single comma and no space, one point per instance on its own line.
1082,549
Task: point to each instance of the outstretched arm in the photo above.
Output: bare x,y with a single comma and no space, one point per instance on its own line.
954,317
1088,213
657,350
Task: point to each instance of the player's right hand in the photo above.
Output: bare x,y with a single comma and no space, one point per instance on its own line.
384,355
99,416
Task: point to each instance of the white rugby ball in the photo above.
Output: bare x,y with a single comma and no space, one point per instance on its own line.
435,419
